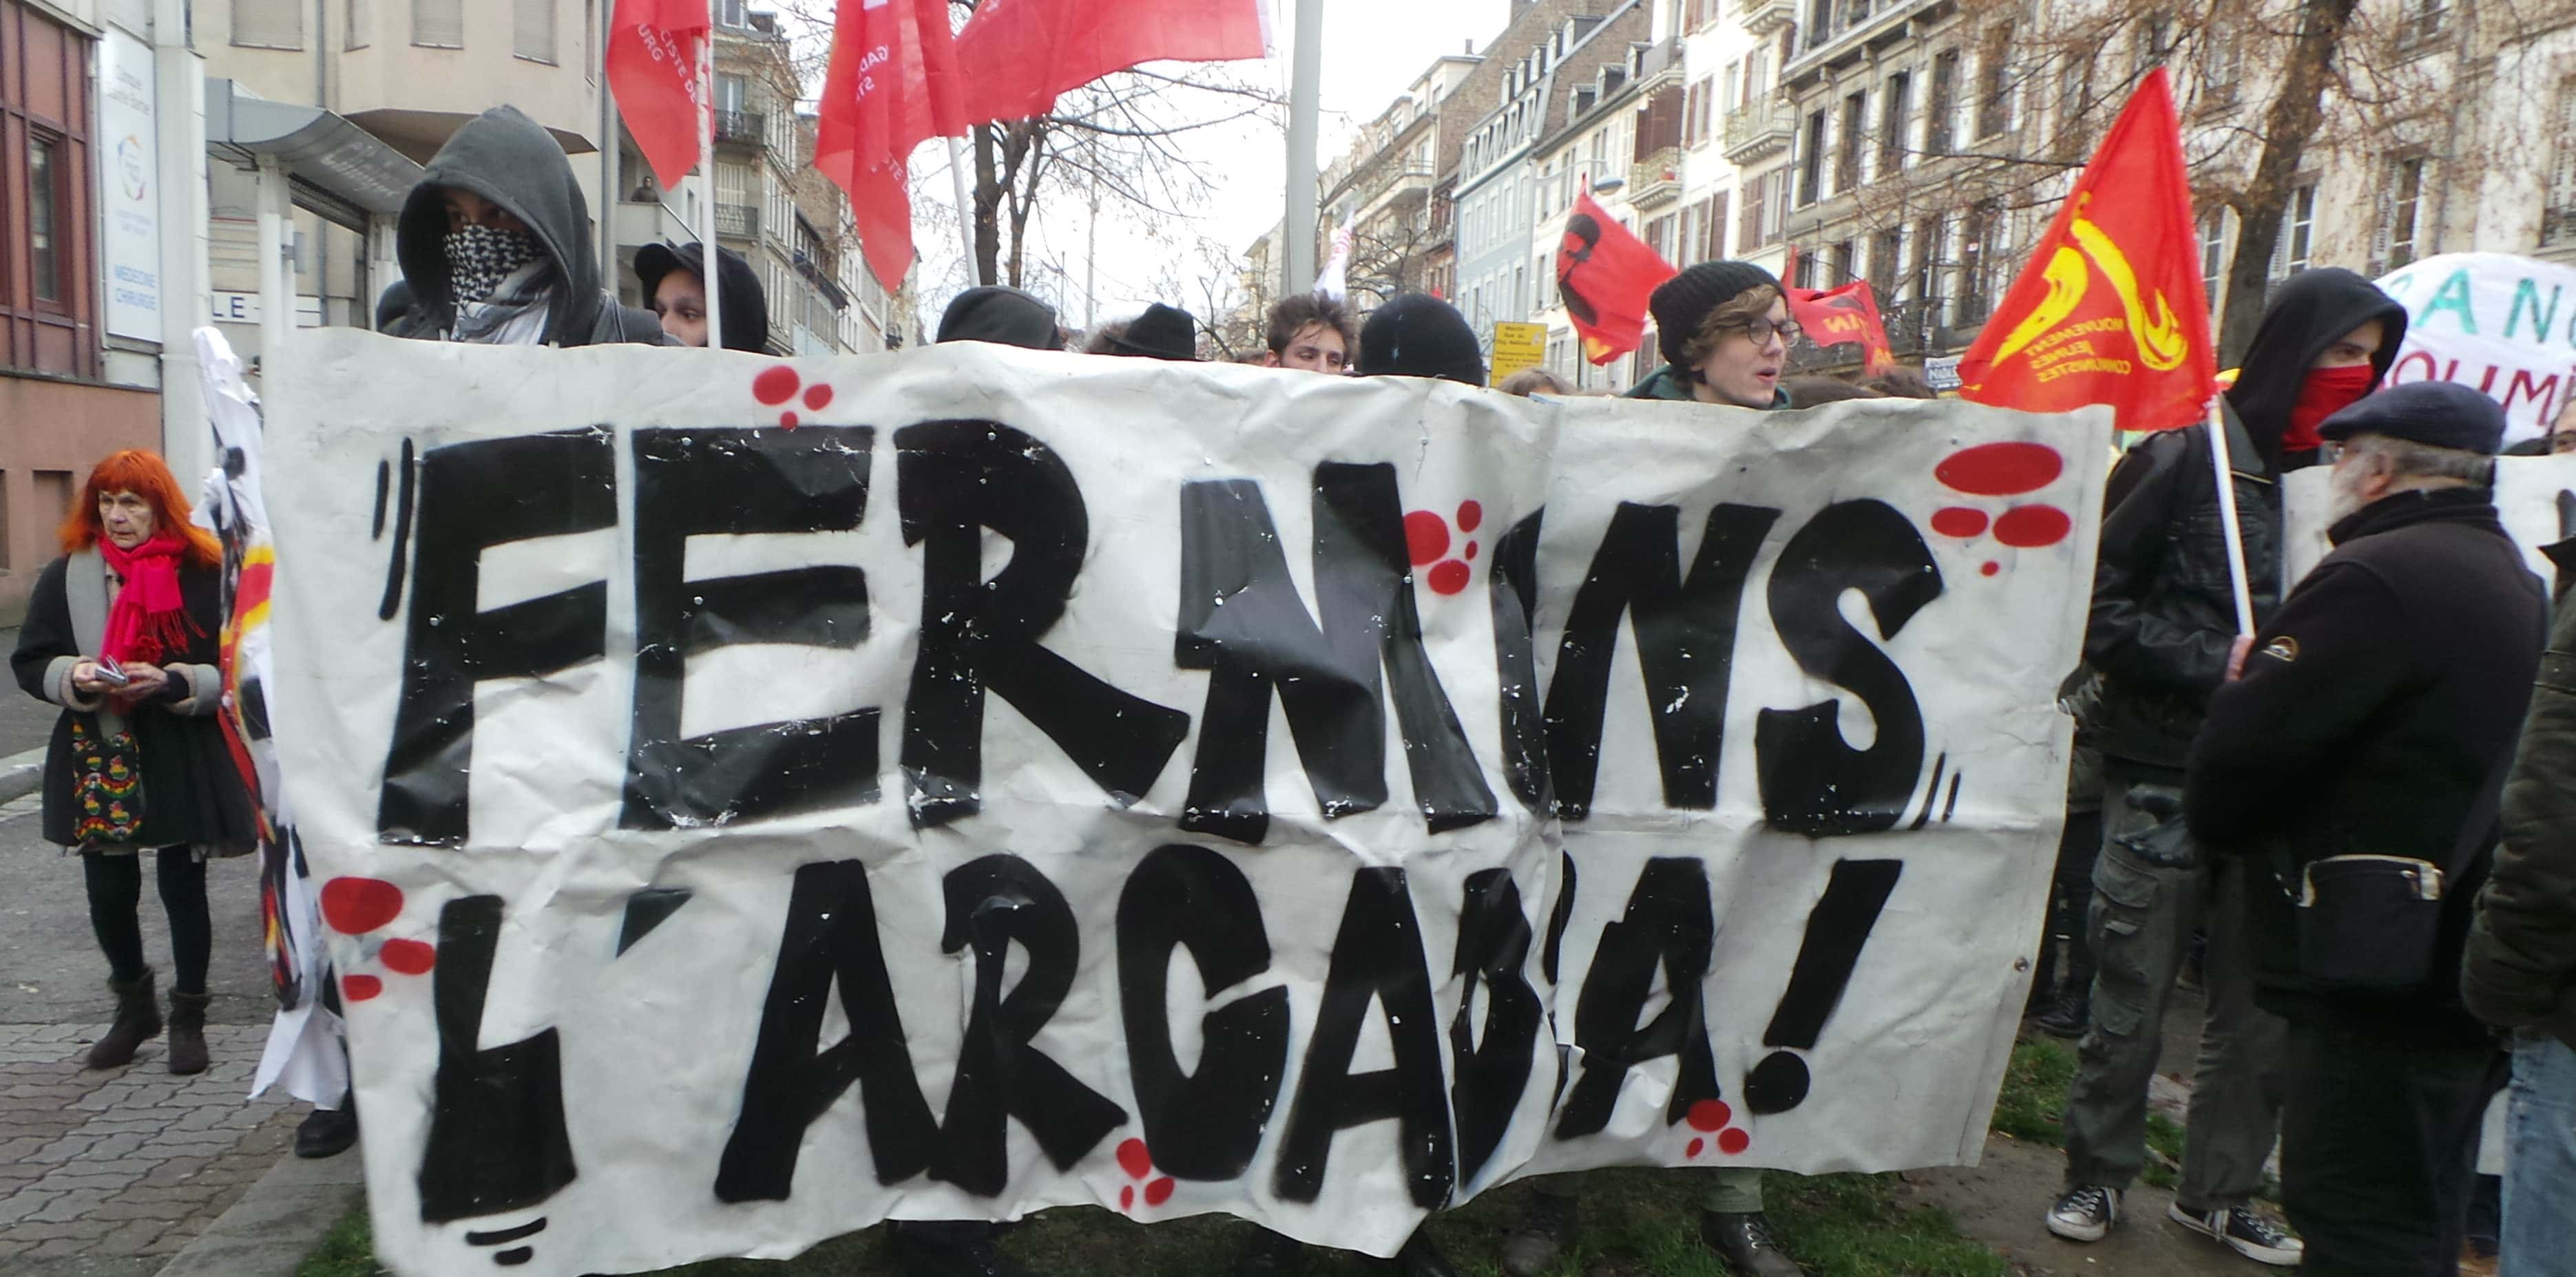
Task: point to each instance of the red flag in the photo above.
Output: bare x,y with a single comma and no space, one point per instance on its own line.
2110,310
1833,316
892,82
653,49
1025,52
1604,276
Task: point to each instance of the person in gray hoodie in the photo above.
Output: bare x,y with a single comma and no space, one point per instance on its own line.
495,246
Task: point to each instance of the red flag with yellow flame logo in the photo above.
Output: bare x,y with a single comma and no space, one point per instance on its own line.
2110,310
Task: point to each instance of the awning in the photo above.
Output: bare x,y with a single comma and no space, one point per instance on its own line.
328,156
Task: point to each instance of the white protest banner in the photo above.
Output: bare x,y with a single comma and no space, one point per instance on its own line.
755,799
2501,323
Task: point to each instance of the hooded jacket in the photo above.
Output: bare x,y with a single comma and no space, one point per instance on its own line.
2164,610
1002,316
2520,968
511,160
745,303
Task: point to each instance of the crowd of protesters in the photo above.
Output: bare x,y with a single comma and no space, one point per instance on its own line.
2327,820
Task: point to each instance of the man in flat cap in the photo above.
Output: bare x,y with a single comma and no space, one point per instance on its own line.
2355,758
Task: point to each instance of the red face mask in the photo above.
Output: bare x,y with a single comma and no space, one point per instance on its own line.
2326,392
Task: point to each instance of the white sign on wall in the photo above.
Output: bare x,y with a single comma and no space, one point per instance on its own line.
129,172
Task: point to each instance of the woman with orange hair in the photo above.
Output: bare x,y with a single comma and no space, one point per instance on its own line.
121,632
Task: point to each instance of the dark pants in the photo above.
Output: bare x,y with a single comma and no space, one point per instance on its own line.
2070,896
115,884
2379,1148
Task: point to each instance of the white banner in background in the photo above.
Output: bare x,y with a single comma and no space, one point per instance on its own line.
1037,780
2501,323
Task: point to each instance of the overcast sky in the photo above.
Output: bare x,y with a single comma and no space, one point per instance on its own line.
1373,49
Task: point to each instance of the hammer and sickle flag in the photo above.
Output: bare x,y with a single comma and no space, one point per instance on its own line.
2110,309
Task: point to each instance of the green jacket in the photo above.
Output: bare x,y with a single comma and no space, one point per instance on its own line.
1667,383
2519,969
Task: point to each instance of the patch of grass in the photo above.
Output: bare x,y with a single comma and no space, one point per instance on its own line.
2164,1151
2032,1106
348,1250
1853,1226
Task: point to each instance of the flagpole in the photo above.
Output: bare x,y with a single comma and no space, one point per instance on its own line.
2227,516
608,149
707,263
965,207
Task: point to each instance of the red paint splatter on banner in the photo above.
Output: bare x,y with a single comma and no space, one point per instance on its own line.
1425,537
787,421
1471,552
1709,1115
1695,1146
775,385
2029,526
1470,514
1991,568
359,988
818,397
1127,1197
1133,1158
1958,521
410,957
356,906
1449,577
2001,469
1160,1191
1733,1140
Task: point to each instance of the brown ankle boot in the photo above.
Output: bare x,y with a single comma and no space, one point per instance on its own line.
188,1032
138,1020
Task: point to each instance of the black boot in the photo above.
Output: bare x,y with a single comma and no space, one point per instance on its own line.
138,1020
2068,1018
949,1248
1745,1242
328,1132
188,1033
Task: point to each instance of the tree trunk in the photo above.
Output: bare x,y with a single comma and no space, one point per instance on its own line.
988,229
2287,128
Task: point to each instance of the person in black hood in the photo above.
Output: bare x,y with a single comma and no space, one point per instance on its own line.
1003,316
1419,335
2163,622
2353,763
675,285
495,246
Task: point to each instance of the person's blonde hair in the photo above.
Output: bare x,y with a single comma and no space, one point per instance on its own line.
1534,381
1735,314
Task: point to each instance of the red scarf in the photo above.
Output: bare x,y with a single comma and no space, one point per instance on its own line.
2326,392
149,619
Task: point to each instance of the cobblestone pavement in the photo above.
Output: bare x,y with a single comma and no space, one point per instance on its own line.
105,1174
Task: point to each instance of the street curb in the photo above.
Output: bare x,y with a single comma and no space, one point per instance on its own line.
22,774
277,1223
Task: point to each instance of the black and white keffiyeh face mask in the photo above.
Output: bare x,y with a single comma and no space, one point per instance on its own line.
480,257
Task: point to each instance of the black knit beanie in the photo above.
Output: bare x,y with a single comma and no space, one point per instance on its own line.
1003,316
1419,335
1681,304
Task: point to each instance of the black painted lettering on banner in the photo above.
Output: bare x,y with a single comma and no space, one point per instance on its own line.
954,480
496,1138
1836,929
829,940
1812,781
1205,1125
475,496
994,902
1241,619
1670,923
1685,628
1377,959
1492,1067
1512,593
698,482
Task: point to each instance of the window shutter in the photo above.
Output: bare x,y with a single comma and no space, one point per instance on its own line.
533,35
439,24
1750,233
269,24
1713,228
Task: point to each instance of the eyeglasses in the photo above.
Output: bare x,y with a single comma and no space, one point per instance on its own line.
1760,331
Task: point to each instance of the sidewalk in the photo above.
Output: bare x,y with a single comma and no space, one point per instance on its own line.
107,1174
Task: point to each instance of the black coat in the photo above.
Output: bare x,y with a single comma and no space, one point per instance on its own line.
2520,967
191,792
2372,712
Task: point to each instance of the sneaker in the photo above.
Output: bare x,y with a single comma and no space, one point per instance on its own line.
2243,1231
2085,1214
1745,1242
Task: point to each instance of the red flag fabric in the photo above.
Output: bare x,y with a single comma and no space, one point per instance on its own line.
2110,310
1604,276
1025,52
653,50
1833,316
892,82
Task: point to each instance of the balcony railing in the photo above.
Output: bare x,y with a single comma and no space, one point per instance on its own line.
1403,178
748,128
1657,179
738,221
1757,129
